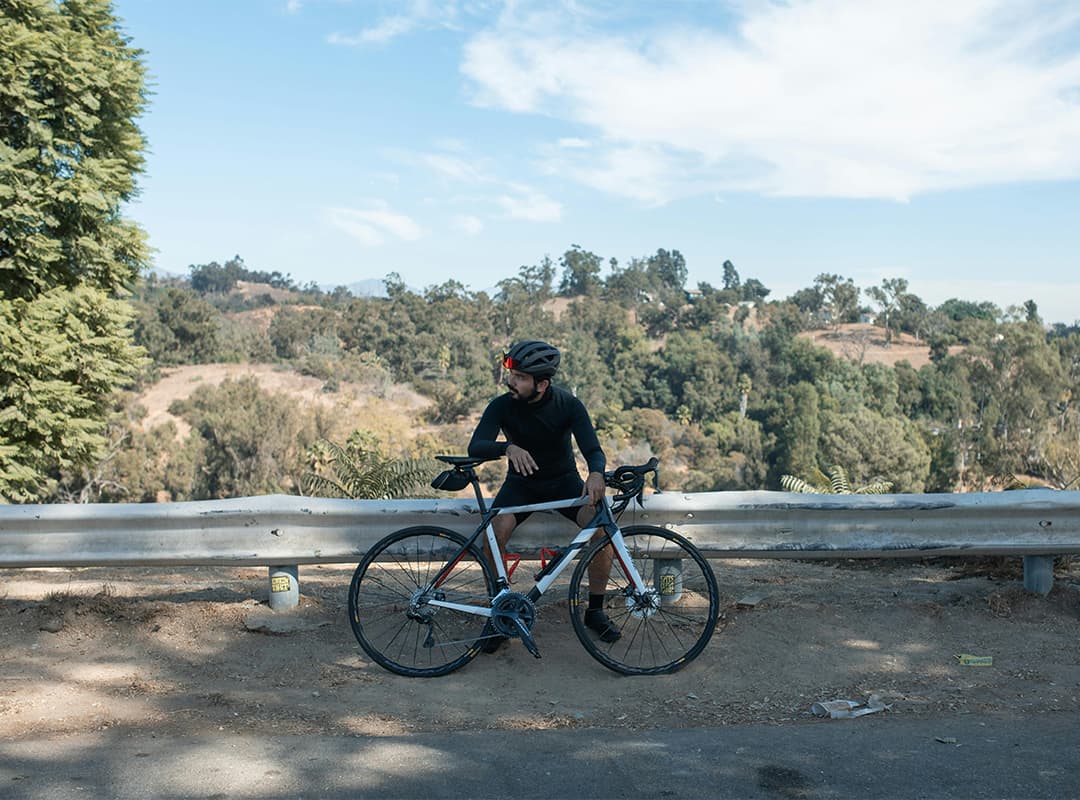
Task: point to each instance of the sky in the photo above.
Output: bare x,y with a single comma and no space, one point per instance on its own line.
338,141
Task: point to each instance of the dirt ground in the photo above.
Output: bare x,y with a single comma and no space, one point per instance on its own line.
865,344
196,650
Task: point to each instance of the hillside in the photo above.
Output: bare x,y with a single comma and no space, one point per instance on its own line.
865,344
395,407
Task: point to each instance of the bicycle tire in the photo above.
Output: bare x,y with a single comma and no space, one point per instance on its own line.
394,626
665,631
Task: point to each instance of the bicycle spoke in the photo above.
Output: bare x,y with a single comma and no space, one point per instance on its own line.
391,615
668,627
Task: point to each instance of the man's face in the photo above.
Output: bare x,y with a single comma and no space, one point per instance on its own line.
523,387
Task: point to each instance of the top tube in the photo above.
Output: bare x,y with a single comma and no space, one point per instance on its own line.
548,506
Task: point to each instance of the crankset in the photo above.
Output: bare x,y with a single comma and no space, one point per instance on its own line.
513,615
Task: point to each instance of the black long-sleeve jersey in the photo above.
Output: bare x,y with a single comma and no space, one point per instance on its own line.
544,429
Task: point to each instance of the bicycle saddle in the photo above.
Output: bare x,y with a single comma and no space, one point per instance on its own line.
466,461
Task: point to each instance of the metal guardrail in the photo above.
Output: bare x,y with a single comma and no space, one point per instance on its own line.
289,530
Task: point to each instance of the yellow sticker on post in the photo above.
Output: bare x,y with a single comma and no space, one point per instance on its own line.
968,660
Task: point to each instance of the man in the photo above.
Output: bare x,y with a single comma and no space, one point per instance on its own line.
537,420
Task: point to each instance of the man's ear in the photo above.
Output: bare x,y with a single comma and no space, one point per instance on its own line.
542,384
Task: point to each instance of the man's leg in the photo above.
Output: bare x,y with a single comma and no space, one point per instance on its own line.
600,568
503,525
599,571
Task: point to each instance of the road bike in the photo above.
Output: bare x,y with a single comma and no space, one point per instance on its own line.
424,598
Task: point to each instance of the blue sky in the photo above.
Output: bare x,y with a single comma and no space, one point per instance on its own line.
339,141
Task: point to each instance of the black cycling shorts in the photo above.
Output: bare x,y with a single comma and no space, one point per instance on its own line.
518,491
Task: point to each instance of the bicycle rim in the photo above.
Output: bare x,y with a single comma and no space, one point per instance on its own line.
667,629
395,626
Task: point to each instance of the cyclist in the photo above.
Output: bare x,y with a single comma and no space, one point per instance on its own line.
537,419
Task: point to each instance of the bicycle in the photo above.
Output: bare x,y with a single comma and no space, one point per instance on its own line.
422,596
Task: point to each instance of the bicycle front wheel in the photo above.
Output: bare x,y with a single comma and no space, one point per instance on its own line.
662,629
392,615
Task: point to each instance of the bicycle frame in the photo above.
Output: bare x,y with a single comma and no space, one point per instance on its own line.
419,597
602,519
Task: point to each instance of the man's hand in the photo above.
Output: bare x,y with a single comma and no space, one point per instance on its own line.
595,488
521,460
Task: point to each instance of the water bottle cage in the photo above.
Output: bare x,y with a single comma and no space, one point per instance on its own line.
548,559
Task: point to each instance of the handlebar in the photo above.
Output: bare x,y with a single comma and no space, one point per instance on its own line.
629,481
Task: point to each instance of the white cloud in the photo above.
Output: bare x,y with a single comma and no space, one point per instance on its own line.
375,224
452,167
839,98
468,224
529,205
487,188
387,29
415,15
293,6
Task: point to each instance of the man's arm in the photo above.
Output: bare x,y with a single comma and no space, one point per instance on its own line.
595,487
589,445
483,443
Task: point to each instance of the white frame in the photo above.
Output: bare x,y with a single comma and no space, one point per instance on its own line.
581,540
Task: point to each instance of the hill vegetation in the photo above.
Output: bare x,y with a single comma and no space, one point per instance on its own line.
250,375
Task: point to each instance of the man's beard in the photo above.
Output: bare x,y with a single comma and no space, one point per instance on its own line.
519,398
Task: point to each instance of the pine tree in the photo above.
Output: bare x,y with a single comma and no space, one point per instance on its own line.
71,87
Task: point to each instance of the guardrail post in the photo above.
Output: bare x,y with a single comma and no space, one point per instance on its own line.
284,587
1039,574
667,573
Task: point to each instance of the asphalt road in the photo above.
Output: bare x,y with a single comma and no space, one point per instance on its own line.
879,756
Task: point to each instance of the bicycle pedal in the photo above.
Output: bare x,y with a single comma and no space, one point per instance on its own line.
527,639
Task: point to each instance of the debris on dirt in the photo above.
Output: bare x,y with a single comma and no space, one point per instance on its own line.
968,660
52,625
848,709
750,600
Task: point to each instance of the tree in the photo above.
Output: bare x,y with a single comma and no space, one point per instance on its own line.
668,271
180,328
71,88
871,445
731,277
1016,377
630,285
537,279
296,332
798,429
889,296
61,356
252,441
754,291
840,297
581,272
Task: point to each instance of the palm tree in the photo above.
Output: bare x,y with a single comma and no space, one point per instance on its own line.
357,471
836,482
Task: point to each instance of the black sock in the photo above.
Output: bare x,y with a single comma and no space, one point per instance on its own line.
596,601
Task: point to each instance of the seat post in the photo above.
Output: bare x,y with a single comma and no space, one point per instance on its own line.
475,481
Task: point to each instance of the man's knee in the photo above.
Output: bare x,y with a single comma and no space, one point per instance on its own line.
503,526
585,515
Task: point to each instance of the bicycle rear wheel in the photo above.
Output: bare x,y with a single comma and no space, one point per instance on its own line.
393,619
667,627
